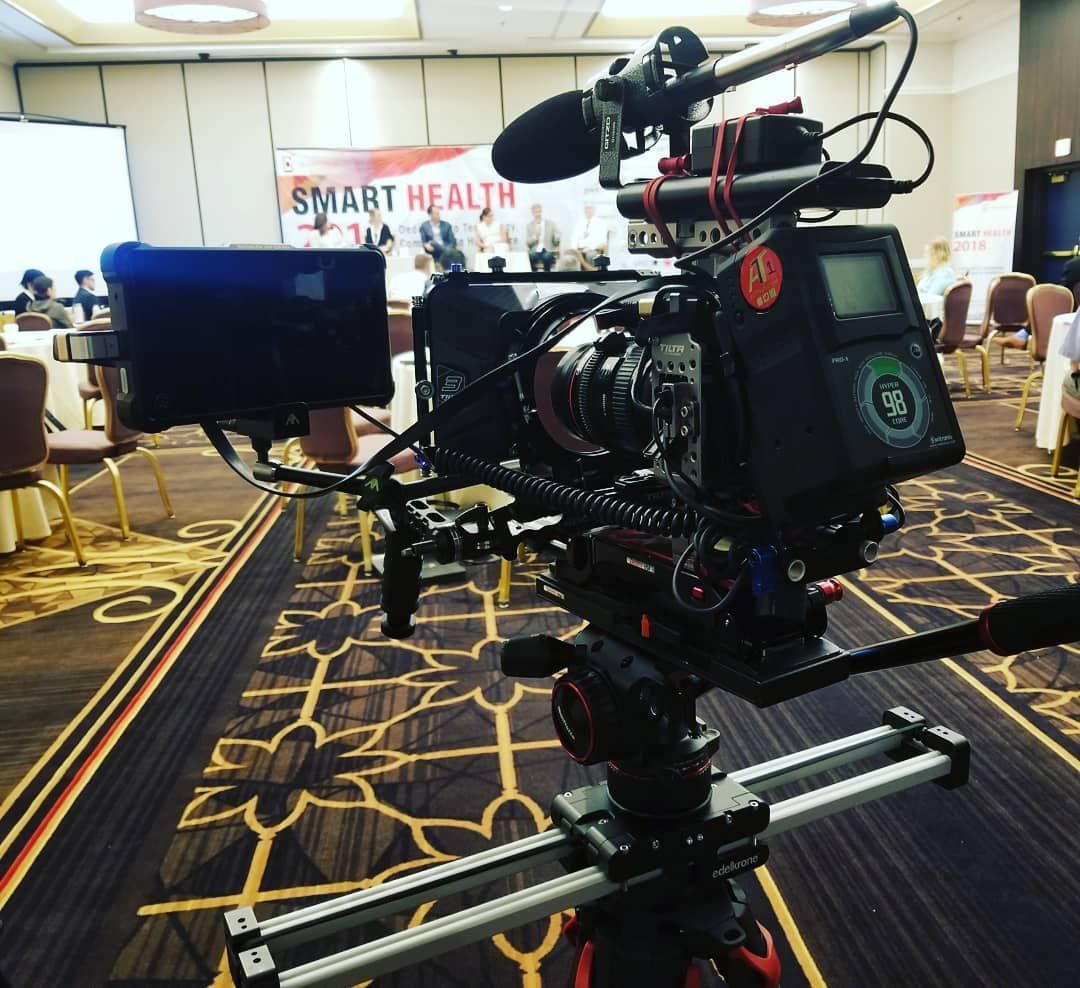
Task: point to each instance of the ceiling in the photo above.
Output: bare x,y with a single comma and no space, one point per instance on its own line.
104,30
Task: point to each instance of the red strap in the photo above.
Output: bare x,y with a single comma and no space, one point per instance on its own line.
583,974
729,178
652,211
767,968
714,175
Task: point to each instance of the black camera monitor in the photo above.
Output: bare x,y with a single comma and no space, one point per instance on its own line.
220,333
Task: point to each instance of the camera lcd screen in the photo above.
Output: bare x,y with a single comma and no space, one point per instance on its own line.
859,284
216,333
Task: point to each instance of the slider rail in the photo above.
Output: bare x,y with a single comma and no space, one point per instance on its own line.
249,942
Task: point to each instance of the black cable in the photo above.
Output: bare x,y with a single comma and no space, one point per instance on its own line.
426,424
385,428
863,153
907,122
724,600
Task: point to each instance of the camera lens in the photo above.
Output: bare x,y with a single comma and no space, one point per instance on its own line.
597,394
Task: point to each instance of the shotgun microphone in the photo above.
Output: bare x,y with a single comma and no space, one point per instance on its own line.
561,137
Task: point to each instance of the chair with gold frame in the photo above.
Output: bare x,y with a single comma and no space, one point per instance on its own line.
33,322
334,445
80,446
1006,310
954,337
24,450
1044,304
1070,412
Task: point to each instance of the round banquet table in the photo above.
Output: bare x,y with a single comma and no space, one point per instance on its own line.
1054,371
62,397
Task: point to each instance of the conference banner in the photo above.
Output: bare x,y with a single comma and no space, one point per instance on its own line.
461,181
984,226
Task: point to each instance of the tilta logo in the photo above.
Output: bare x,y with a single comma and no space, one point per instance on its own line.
671,349
450,383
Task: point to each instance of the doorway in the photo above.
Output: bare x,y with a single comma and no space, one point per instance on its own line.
1061,222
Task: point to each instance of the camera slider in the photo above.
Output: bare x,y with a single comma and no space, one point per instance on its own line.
627,874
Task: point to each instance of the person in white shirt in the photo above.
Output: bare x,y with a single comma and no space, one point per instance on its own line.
325,235
408,284
590,236
378,233
490,236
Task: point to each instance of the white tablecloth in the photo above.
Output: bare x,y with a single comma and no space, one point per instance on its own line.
62,398
1057,366
933,306
403,406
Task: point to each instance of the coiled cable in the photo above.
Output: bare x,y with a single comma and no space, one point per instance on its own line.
596,506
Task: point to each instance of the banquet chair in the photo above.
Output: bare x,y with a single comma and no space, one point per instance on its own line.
1044,304
23,446
34,322
1006,310
80,446
954,337
88,388
334,445
1070,410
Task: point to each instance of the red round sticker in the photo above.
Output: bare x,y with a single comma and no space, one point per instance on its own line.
760,277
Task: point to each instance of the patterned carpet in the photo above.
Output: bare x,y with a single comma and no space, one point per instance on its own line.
273,749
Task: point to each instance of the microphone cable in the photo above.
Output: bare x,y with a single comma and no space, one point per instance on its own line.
687,263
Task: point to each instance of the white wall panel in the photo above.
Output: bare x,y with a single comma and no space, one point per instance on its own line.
528,81
463,100
927,212
982,145
308,104
386,103
590,67
149,101
9,93
829,87
230,134
71,91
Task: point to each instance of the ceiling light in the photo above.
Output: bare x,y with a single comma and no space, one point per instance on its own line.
202,16
792,13
506,7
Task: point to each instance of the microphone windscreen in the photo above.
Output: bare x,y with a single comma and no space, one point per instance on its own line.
547,143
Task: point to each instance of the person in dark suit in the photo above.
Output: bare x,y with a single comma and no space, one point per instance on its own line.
541,239
436,234
26,296
85,295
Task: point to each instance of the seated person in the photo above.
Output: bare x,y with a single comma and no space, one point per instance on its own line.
409,284
26,296
45,303
325,234
452,256
378,233
85,295
490,237
541,239
938,273
590,237
436,235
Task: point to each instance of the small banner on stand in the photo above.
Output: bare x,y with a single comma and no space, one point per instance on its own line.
984,227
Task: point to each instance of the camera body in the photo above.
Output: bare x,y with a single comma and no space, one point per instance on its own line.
801,377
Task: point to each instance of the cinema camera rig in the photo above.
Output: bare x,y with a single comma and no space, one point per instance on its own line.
723,444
